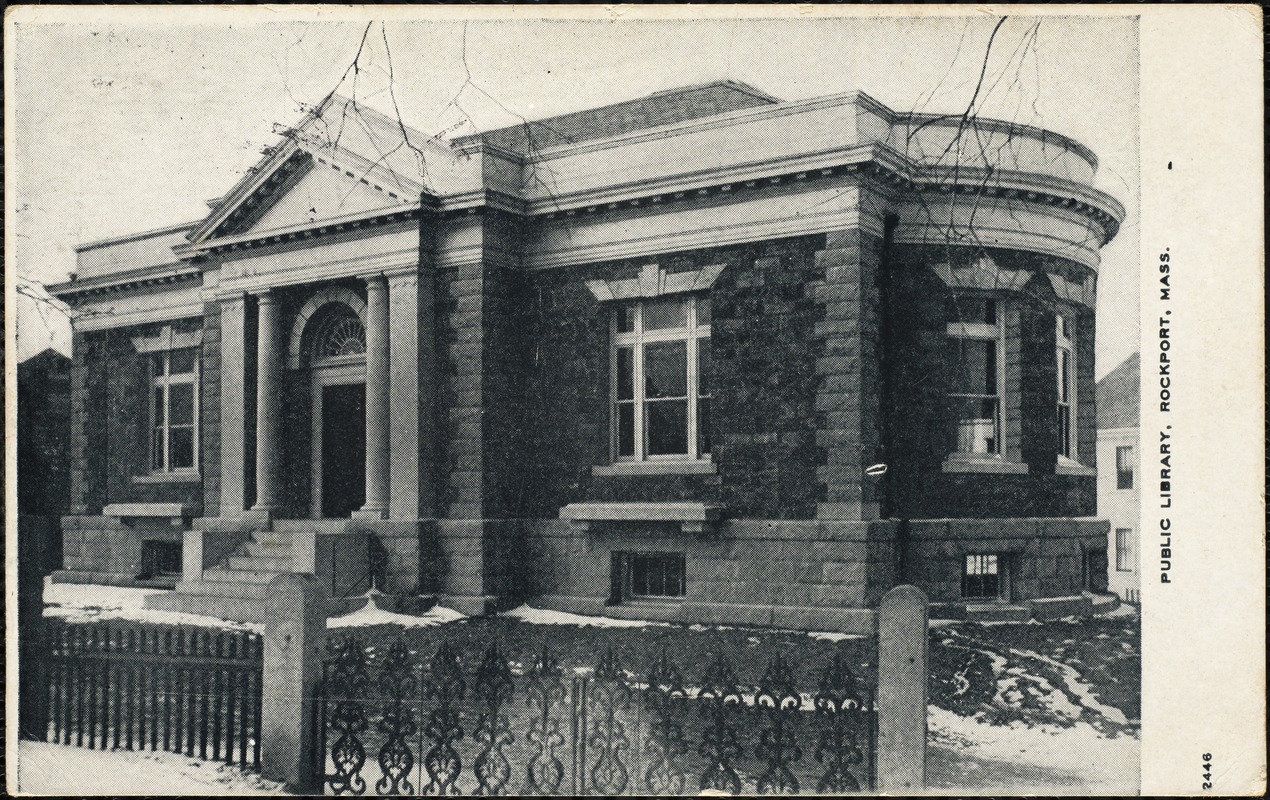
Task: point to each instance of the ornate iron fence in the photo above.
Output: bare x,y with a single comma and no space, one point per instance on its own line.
392,724
134,686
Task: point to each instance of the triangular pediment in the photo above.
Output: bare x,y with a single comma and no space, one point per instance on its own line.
323,192
341,160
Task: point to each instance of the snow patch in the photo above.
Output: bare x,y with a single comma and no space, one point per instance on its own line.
1122,610
371,614
543,616
55,769
1104,765
79,603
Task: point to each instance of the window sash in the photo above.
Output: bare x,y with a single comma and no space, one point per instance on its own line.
1124,550
655,575
983,332
162,381
981,576
1065,378
636,340
1124,467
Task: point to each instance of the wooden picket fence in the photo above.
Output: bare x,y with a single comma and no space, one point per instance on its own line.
134,686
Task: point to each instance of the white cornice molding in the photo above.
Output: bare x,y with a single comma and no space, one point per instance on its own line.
135,237
108,320
652,246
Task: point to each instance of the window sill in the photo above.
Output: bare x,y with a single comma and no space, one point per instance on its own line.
691,516
700,467
168,477
1066,466
985,465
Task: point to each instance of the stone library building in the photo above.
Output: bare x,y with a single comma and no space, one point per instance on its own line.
704,356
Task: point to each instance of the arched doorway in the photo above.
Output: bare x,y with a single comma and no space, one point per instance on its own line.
332,346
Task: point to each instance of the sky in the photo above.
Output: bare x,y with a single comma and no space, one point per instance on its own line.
134,121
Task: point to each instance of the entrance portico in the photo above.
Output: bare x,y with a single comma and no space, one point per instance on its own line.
341,340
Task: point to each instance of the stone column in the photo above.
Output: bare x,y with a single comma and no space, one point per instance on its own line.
233,398
377,391
268,404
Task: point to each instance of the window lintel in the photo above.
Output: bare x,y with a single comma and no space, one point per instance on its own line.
655,281
167,339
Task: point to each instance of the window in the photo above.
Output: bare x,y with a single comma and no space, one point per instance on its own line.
1124,550
1065,365
647,576
159,559
661,379
173,410
1124,467
981,576
974,359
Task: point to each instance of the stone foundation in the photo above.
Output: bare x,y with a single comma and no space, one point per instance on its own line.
108,547
1046,556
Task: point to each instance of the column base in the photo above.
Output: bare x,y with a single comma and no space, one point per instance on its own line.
371,513
259,515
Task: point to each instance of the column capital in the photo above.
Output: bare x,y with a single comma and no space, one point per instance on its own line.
372,279
265,295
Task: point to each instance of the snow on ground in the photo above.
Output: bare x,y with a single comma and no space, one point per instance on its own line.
372,614
1122,610
89,602
1077,686
542,616
55,769
1094,764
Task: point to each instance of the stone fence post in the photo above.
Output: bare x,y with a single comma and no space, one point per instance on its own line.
903,671
294,634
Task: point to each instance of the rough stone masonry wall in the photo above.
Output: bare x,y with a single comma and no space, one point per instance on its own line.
110,424
848,392
209,406
1046,555
764,313
482,352
107,549
918,432
808,574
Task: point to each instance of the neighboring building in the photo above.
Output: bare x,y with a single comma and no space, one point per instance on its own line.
702,356
44,425
1119,484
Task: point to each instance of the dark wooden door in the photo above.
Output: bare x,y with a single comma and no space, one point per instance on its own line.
343,449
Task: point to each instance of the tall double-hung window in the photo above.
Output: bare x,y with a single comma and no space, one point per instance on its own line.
173,410
1065,369
661,379
973,359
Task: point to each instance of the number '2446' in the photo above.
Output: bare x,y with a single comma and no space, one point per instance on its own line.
1208,771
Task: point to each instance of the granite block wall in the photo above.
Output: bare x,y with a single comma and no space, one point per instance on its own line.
764,350
1047,557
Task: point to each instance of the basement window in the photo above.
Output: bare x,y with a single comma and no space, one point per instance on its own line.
160,559
984,576
647,576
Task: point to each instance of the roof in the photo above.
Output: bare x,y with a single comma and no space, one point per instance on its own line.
660,108
1118,395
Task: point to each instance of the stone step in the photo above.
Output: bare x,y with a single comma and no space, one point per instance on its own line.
214,588
248,576
259,563
998,612
272,538
265,550
238,609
